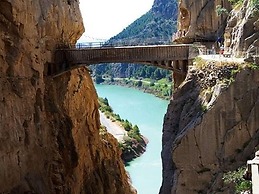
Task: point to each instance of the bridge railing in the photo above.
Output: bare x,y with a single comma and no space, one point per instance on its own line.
157,55
146,54
117,44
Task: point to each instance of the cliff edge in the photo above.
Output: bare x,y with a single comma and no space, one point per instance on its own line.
211,125
210,128
49,127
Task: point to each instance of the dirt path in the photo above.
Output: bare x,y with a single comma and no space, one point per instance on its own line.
112,127
221,58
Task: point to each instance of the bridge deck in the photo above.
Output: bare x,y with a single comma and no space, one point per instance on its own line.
156,55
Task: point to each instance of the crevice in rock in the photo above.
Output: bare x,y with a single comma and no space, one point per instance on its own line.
198,148
35,78
26,133
66,144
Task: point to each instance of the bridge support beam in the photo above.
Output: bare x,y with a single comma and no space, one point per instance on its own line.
180,69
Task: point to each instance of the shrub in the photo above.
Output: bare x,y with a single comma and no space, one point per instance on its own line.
253,66
127,125
99,79
199,62
236,177
235,2
221,10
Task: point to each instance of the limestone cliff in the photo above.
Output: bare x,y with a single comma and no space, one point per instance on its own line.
241,35
211,126
49,128
198,20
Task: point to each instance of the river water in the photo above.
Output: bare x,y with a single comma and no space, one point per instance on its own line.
146,111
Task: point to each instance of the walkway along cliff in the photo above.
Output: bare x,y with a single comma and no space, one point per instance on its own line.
49,128
176,57
211,125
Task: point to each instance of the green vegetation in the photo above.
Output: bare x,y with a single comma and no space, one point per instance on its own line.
199,62
255,3
221,10
99,79
253,66
204,108
236,2
154,27
134,135
130,71
236,178
148,29
150,79
102,131
132,144
227,70
161,88
105,108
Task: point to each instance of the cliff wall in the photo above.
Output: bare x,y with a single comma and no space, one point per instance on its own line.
241,34
211,127
198,20
49,128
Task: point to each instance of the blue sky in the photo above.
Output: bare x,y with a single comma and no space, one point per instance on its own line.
104,19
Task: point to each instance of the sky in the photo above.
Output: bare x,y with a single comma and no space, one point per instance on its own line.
104,19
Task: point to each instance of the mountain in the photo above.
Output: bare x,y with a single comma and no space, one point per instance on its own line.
154,27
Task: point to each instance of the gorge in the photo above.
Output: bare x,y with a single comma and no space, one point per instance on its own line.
147,112
49,127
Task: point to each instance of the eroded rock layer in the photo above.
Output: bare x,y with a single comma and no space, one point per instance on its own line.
241,35
209,129
211,125
49,128
199,21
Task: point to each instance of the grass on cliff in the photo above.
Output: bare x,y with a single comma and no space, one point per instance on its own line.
236,2
236,178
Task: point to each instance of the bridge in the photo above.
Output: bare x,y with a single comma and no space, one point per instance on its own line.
170,57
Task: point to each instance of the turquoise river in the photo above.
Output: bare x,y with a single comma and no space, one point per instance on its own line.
146,111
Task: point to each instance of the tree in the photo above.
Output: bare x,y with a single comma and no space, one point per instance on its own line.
106,102
157,74
139,83
99,79
136,130
127,125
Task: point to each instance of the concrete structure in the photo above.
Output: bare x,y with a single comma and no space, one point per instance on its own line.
253,166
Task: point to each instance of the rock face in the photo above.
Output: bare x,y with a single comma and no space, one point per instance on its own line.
242,31
211,125
198,20
49,128
210,128
166,8
136,149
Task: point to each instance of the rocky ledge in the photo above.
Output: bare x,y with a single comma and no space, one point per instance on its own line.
133,149
210,128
